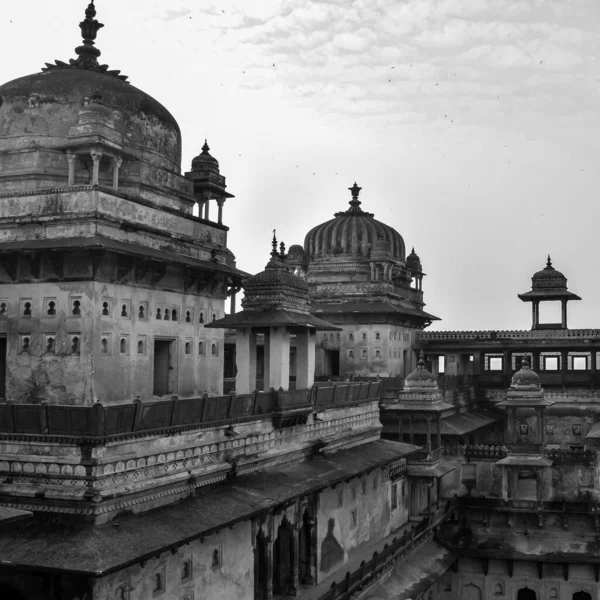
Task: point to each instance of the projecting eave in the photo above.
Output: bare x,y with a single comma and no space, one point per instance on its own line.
274,318
381,308
548,295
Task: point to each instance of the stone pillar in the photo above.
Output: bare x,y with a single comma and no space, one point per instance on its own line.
295,558
428,435
510,424
564,313
534,314
305,359
72,159
96,155
117,161
220,202
207,210
277,358
232,304
245,379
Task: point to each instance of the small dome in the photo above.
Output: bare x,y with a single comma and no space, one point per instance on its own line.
548,277
413,262
525,377
420,377
204,161
353,232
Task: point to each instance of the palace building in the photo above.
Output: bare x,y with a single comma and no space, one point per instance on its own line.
353,455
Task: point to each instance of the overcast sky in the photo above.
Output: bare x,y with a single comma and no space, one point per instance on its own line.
473,127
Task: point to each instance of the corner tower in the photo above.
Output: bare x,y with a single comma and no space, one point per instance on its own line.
106,277
360,279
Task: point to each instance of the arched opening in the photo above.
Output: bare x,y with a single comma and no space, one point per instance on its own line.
196,210
9,593
123,346
166,315
526,594
582,596
260,567
471,592
283,557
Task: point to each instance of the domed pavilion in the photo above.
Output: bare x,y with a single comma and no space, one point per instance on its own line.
106,275
360,278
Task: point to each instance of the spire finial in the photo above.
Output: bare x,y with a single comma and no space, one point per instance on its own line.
355,202
421,362
549,263
282,250
274,244
206,147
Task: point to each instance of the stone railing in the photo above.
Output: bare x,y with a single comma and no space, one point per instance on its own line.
511,335
476,451
571,456
99,421
513,505
399,548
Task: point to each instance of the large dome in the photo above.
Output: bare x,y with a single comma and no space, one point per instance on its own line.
38,110
352,232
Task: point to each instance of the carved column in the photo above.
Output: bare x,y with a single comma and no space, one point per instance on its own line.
72,158
96,155
117,161
207,210
564,313
305,359
220,202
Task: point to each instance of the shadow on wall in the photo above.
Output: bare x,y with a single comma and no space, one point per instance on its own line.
331,551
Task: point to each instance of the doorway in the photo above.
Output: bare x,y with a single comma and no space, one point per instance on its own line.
260,567
283,559
332,363
526,594
164,369
3,367
582,596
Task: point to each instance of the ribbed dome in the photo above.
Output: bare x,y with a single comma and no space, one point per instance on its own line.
352,232
38,110
525,377
548,277
205,161
420,377
413,262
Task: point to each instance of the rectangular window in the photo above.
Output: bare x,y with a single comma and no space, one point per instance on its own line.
354,518
580,363
394,496
496,363
550,363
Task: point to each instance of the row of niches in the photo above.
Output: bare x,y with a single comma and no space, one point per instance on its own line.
551,361
51,344
161,312
162,582
375,354
363,336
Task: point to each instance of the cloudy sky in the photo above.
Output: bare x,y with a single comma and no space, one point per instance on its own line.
472,125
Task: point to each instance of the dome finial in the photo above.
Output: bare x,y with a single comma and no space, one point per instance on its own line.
549,263
87,55
206,147
355,202
282,250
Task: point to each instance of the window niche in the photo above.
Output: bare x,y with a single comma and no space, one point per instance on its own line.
186,570
141,345
49,343
75,304
26,307
202,317
74,343
189,315
124,344
105,343
158,582
201,348
25,344
217,558
142,311
49,307
188,347
106,310
3,308
125,309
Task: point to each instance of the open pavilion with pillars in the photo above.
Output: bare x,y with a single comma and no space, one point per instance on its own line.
276,304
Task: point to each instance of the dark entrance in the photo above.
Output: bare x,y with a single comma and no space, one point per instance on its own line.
582,596
6,592
2,367
306,550
163,367
332,362
283,559
260,567
526,594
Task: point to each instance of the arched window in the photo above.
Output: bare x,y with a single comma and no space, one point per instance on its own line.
2,309
123,346
188,348
200,348
104,346
174,315
27,309
140,347
51,308
201,320
166,315
76,310
158,314
214,317
50,344
213,349
216,558
75,345
188,316
158,582
196,210
124,310
105,309
141,312
25,345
